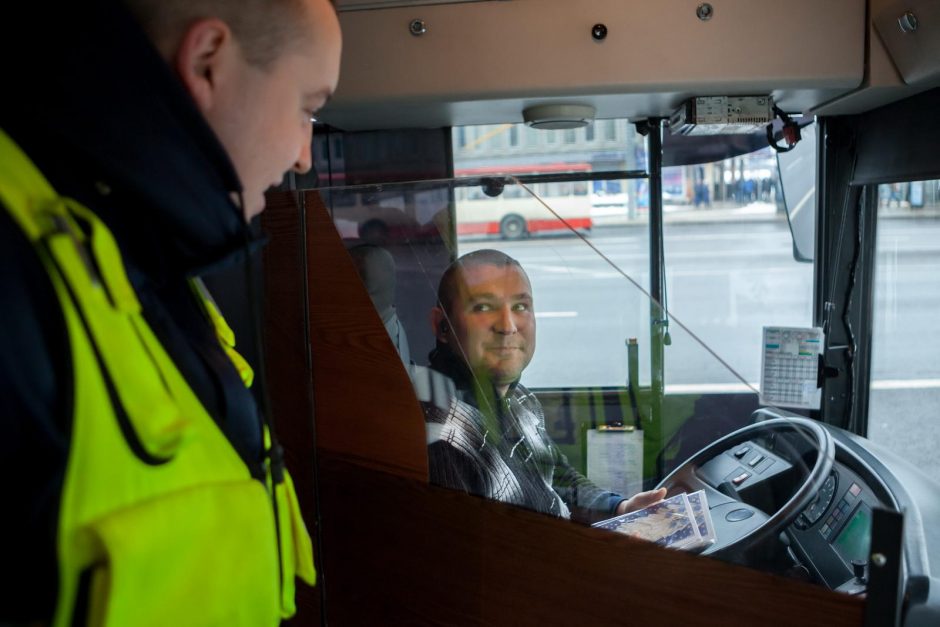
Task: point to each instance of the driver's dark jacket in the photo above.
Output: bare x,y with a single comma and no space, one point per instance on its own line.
498,448
102,116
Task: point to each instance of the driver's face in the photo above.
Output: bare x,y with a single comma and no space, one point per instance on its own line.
493,321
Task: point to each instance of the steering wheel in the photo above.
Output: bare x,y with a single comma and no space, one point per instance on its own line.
740,525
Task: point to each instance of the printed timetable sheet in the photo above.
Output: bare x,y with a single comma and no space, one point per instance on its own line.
790,367
615,459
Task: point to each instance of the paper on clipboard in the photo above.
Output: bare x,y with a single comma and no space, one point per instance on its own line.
615,459
790,367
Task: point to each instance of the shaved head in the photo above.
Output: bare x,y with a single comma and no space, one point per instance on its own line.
448,288
263,28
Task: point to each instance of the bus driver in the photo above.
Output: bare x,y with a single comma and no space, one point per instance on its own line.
491,439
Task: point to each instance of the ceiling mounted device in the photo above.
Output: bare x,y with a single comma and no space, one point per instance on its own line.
722,115
559,116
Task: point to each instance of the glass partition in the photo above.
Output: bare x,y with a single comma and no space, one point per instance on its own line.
540,365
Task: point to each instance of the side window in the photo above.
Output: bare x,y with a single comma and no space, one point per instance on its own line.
905,371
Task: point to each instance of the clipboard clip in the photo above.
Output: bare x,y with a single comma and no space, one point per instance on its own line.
825,372
615,428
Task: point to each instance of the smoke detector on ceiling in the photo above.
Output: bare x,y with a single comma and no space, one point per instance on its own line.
559,116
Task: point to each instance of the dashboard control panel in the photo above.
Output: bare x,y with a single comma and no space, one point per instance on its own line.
836,528
744,466
820,505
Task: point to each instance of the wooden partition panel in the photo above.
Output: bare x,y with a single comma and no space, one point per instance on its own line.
394,550
288,373
362,394
285,318
422,555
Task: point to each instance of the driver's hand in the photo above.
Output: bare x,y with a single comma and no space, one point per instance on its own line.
641,500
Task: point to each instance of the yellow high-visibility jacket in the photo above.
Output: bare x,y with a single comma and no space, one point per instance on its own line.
160,522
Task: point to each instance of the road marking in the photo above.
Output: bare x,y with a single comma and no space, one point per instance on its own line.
556,314
905,384
732,236
799,206
733,388
742,272
782,252
557,274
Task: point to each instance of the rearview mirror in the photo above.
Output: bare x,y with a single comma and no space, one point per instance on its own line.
797,170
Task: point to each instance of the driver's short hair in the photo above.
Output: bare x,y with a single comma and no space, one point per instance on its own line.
448,288
263,28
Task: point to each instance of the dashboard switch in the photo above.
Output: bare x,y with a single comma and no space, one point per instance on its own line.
741,452
858,569
741,478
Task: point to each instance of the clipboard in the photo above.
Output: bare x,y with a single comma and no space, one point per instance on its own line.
615,458
790,366
614,452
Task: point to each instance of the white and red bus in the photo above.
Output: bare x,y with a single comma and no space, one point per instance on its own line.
515,212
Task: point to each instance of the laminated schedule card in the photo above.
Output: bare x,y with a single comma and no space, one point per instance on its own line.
790,367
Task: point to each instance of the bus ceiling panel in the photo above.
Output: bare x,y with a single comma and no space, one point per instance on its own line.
482,62
901,63
882,85
910,30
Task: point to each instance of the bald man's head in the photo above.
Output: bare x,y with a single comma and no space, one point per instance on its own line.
264,28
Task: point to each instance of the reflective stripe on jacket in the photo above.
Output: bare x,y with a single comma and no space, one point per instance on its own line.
160,522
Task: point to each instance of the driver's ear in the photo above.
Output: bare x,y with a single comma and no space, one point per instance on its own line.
439,325
202,59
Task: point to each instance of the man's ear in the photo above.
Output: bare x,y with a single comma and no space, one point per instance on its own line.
200,59
439,324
